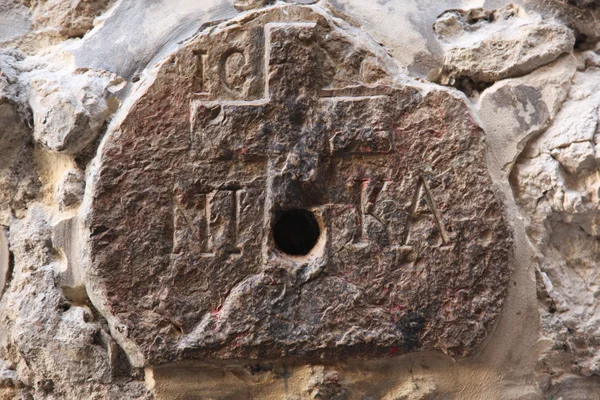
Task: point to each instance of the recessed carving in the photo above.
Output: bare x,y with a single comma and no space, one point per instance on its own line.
199,85
232,70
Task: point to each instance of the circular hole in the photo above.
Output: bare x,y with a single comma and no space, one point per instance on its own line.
296,232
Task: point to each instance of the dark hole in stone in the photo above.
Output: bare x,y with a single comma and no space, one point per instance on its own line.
581,42
296,232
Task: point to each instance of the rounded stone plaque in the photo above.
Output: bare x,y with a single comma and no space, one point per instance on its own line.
279,189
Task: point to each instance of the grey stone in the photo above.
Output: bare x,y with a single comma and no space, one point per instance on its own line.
15,21
555,182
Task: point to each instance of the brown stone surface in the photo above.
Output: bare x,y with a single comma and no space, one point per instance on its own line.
255,135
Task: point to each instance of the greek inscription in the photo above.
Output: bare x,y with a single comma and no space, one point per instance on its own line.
206,223
424,203
199,85
233,74
368,224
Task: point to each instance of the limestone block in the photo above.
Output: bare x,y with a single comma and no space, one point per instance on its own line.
487,46
576,157
287,201
65,236
70,107
70,188
578,119
514,110
243,5
68,18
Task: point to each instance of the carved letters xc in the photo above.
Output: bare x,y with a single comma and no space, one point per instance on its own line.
280,190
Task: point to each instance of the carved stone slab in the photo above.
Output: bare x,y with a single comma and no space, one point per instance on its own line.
276,192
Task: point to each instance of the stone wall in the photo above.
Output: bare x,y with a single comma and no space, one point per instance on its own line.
335,199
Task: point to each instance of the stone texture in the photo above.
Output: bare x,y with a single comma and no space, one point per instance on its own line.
541,147
14,21
486,46
68,352
70,109
580,19
583,3
65,238
515,110
240,134
18,179
243,5
556,183
5,267
70,189
68,18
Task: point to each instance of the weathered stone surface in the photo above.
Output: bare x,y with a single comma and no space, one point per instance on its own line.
69,109
515,110
486,46
243,5
65,237
18,180
258,131
69,18
14,21
583,3
68,352
402,26
54,344
582,20
70,189
556,183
